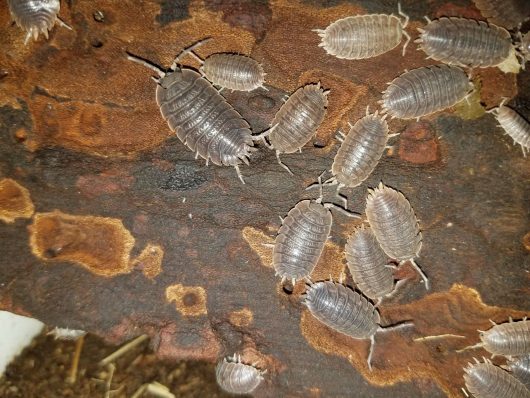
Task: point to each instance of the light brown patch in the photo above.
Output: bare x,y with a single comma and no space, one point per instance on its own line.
15,201
256,239
189,300
241,318
343,96
397,358
100,244
526,241
150,260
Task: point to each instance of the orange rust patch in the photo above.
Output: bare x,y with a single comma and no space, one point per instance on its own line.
397,358
15,201
257,240
418,144
100,244
526,241
189,300
241,318
343,96
150,260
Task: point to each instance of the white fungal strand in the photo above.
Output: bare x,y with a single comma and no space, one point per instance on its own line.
485,380
515,126
363,36
235,377
425,90
395,225
509,339
234,72
35,16
367,263
466,42
66,334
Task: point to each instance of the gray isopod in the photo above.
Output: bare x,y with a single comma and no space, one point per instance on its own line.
202,119
514,125
520,369
508,339
506,13
345,311
298,120
36,16
360,151
235,377
368,265
468,43
230,71
395,225
485,380
425,90
364,36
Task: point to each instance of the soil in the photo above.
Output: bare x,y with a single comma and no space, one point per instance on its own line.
43,368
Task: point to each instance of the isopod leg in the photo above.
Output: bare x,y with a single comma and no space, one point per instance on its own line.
281,164
372,345
422,274
239,173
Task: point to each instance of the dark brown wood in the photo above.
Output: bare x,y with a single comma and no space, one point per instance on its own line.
80,130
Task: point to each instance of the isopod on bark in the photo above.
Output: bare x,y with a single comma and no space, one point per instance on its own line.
520,369
505,13
297,120
395,226
235,377
485,380
514,125
36,16
469,43
364,36
346,311
425,90
368,265
508,339
228,70
301,238
202,119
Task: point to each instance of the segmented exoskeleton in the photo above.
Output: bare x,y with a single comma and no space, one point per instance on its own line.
235,377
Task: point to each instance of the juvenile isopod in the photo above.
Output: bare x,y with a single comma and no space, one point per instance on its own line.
301,238
36,16
469,43
425,90
360,151
368,265
505,13
514,125
235,377
345,311
395,226
227,70
364,36
298,120
202,119
520,369
485,380
508,339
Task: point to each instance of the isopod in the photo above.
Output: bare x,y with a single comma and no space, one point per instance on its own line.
301,238
469,43
485,380
227,70
298,120
505,13
364,36
202,119
36,16
235,377
360,151
425,90
345,311
520,369
395,226
368,265
508,339
514,125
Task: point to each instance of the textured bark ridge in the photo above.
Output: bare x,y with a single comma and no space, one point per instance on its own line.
109,224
